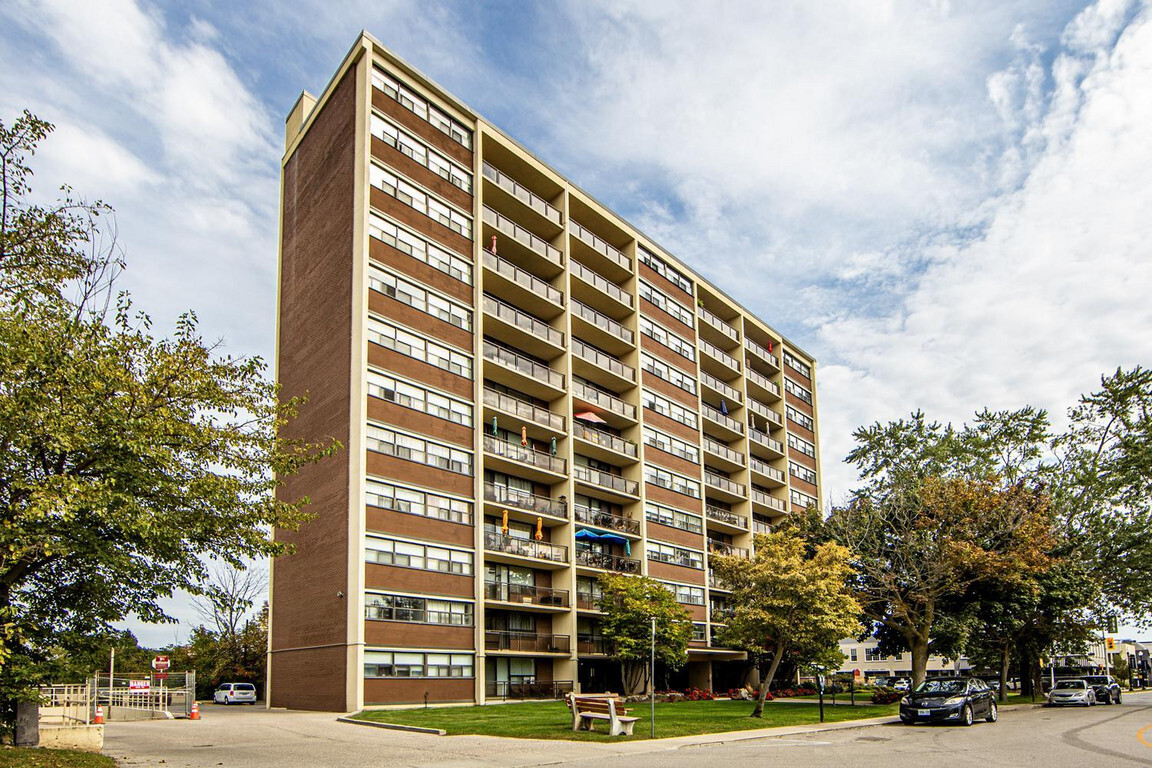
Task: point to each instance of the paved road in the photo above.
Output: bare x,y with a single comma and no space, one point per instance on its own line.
247,737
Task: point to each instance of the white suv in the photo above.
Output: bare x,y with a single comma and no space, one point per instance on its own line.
235,693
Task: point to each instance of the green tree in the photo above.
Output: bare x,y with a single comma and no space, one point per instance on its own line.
629,603
125,458
788,605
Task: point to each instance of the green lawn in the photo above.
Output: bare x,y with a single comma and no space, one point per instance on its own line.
551,719
10,757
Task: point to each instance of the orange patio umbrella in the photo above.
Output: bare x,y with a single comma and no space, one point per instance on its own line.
539,529
504,524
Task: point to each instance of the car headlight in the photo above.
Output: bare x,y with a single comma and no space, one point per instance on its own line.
906,701
954,701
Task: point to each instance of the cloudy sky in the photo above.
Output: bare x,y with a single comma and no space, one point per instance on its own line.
947,203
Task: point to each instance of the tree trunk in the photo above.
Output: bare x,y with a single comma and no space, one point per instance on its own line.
919,648
1005,661
766,681
634,674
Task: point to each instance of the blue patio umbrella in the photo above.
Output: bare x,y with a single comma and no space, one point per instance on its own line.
585,534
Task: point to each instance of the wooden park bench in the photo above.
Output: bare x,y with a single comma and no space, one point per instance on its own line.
588,708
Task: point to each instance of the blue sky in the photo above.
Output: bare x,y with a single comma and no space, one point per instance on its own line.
946,203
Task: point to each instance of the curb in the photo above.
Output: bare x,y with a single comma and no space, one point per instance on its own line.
393,726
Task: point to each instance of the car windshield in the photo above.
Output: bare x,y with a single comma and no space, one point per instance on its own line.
1097,680
1066,684
941,686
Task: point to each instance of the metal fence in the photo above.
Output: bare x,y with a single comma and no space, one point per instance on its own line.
145,694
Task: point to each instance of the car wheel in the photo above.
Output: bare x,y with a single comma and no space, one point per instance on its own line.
1117,697
906,720
966,715
993,713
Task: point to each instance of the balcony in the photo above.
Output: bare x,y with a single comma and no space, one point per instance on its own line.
761,467
522,330
589,645
606,370
726,516
724,485
526,502
761,386
526,374
614,406
728,427
525,594
605,296
769,415
524,455
718,547
525,642
620,263
730,458
530,199
586,601
762,353
724,332
762,443
717,361
606,561
617,445
530,244
762,499
715,582
530,549
607,520
527,689
720,388
607,333
522,409
526,289
605,481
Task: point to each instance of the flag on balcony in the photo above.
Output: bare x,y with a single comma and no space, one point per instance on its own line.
539,529
523,435
723,407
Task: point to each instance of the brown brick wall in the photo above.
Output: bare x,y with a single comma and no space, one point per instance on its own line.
419,126
390,360
403,634
662,495
385,254
418,173
671,391
419,321
383,465
674,291
667,533
412,690
309,679
418,421
798,404
377,576
671,426
669,572
667,355
419,527
670,461
670,322
420,222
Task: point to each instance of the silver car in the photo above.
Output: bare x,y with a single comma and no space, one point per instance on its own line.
235,693
1072,692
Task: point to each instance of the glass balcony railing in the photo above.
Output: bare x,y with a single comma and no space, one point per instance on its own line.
603,519
494,541
721,325
522,408
595,243
722,548
601,320
605,439
529,502
760,409
724,451
522,277
763,499
590,354
534,243
762,438
605,480
528,642
761,352
522,320
524,454
523,364
601,284
727,390
727,516
759,378
592,644
522,193
586,601
723,483
607,561
717,416
604,400
761,466
527,688
525,593
714,351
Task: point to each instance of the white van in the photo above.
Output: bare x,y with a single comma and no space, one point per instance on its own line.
235,693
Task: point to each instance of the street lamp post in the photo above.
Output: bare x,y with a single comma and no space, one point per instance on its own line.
652,685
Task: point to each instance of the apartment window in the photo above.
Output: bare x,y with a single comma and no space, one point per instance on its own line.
658,298
672,445
421,107
800,444
664,269
414,502
674,518
422,557
798,365
672,481
417,247
796,389
419,297
800,418
418,398
666,553
408,664
409,145
421,200
872,654
666,407
852,655
417,610
588,590
699,633
801,499
662,335
419,450
419,348
668,373
802,472
686,594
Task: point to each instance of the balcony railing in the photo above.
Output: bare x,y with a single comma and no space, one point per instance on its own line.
715,351
722,548
722,450
607,561
761,526
601,320
715,582
723,483
605,480
523,364
604,400
534,243
762,438
524,454
527,642
527,689
602,519
763,499
595,243
590,354
761,466
721,325
522,278
727,390
522,408
586,601
717,416
601,284
606,439
522,193
537,550
759,378
760,409
762,352
524,321
589,644
525,593
726,516
529,502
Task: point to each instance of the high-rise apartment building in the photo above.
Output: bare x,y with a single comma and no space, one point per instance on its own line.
529,392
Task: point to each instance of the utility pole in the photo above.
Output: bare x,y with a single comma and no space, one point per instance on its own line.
652,685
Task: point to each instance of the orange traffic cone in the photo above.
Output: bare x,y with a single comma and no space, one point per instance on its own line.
99,720
195,714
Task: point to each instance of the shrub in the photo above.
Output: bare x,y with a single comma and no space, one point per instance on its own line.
884,695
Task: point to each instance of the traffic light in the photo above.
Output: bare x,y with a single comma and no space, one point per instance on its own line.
1110,643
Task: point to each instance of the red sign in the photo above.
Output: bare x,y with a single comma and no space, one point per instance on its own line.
139,685
161,675
161,663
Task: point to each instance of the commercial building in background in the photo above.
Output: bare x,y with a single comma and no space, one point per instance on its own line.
529,393
863,659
